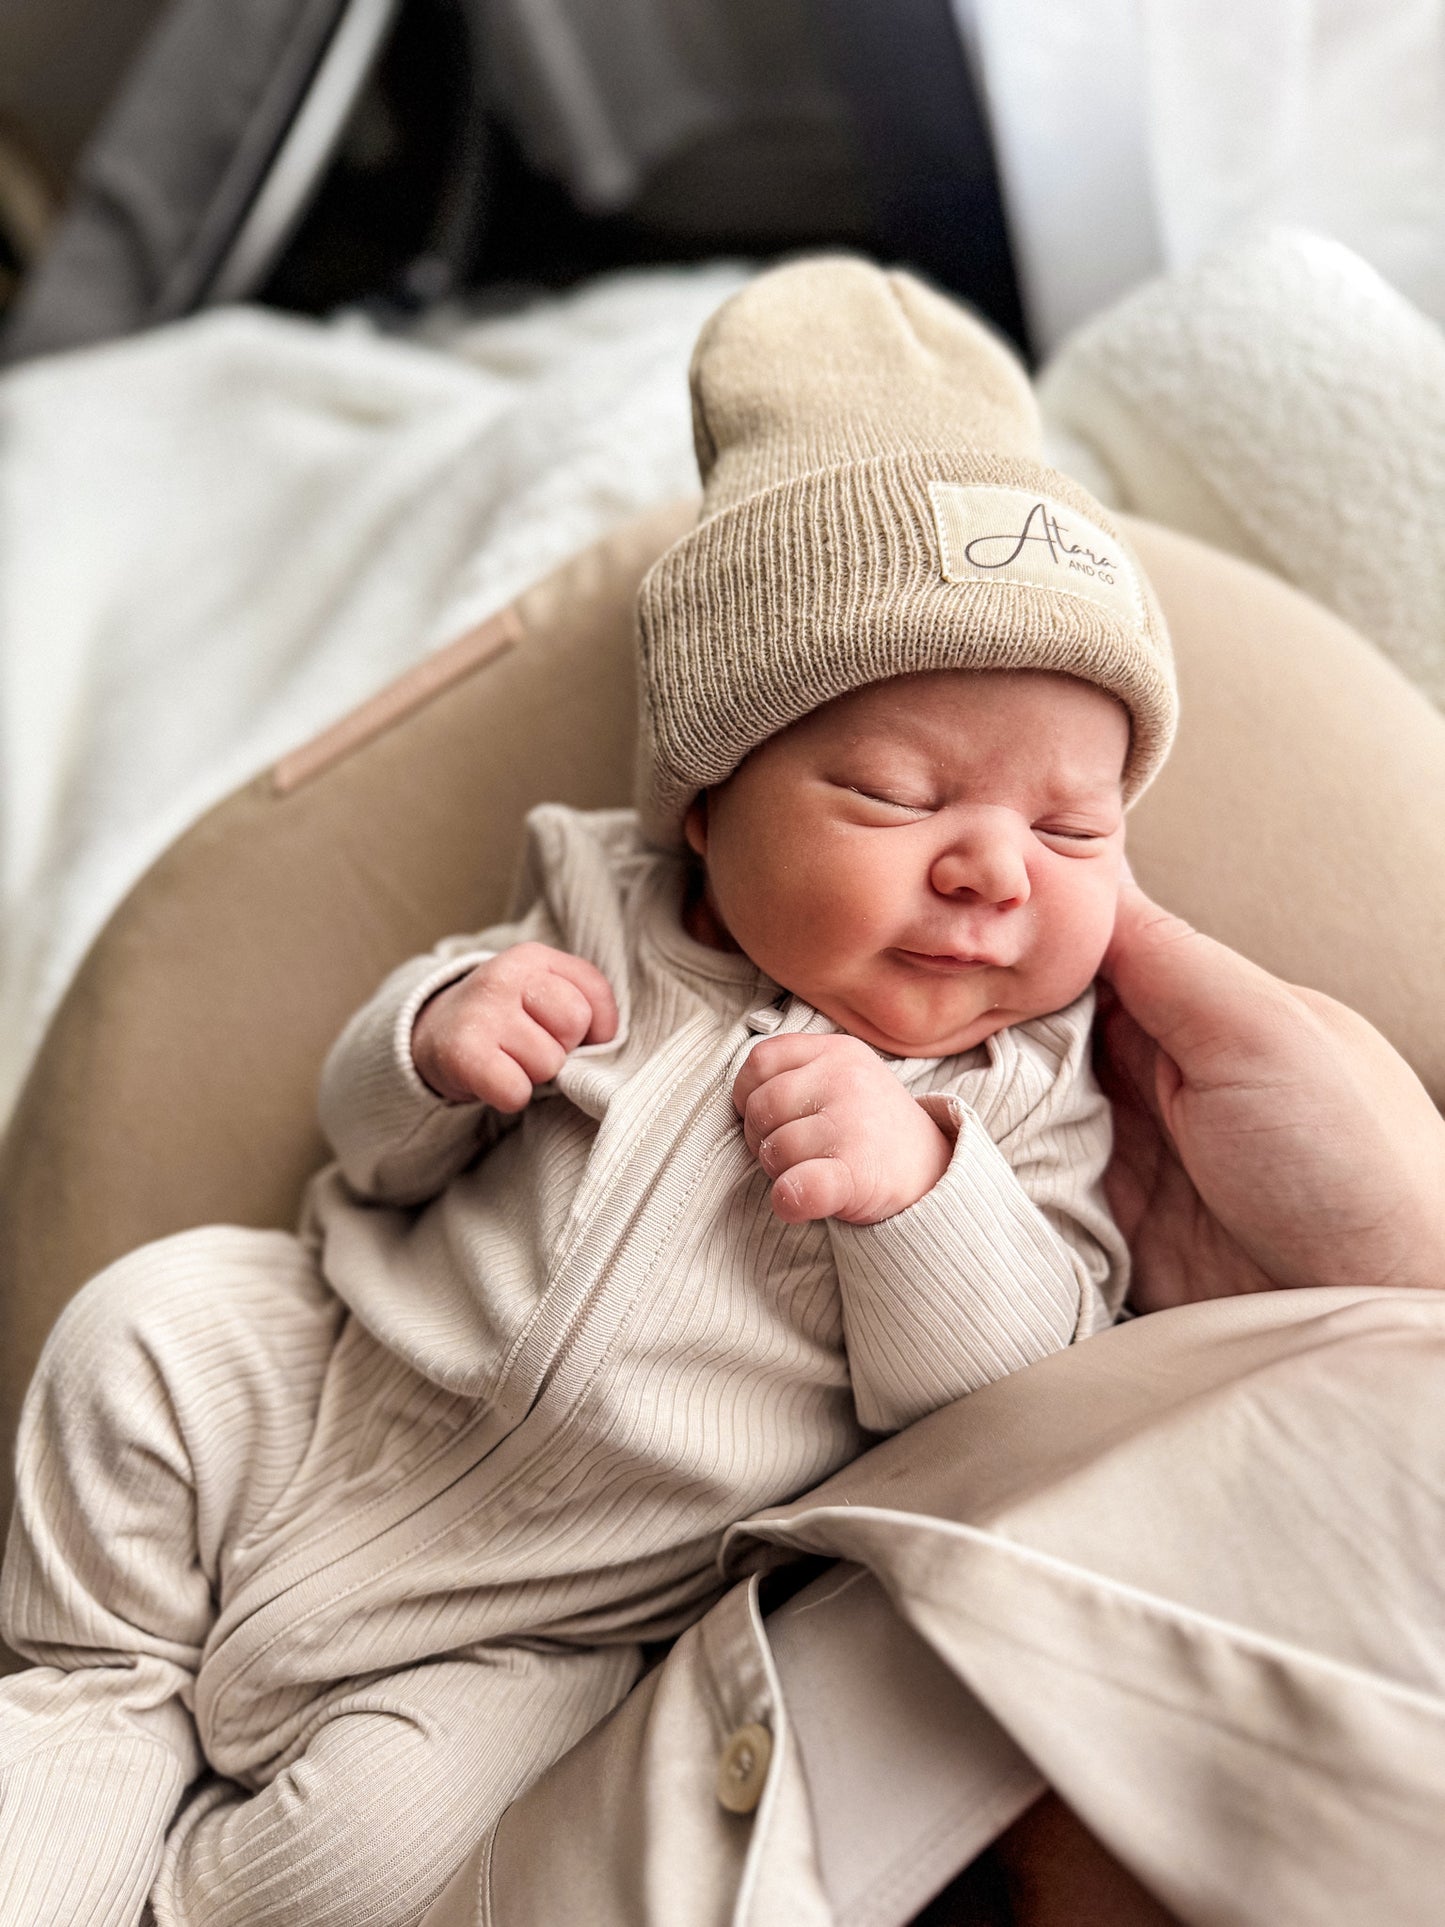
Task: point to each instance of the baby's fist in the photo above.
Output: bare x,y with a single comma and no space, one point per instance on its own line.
509,1024
835,1130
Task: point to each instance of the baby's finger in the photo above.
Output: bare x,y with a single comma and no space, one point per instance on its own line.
789,1095
819,1188
557,1004
796,1143
501,1082
596,989
771,1055
535,1050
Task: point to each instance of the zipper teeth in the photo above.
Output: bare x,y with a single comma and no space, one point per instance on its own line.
564,1334
563,1338
565,1261
224,1687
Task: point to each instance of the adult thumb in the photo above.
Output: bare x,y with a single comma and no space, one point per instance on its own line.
1191,994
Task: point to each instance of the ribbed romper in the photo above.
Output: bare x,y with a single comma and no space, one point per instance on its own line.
326,1546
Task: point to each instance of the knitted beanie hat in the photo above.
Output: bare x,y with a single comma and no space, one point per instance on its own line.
874,503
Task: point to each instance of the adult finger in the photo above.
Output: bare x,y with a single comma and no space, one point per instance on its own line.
820,1188
1202,1002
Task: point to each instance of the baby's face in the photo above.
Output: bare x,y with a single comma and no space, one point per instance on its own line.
926,860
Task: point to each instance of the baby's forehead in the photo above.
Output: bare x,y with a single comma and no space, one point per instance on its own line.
976,718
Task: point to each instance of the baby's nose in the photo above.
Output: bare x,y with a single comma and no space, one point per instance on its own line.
986,863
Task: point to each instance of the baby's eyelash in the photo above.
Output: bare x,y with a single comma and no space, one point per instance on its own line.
893,802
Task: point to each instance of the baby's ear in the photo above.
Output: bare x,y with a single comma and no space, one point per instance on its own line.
694,825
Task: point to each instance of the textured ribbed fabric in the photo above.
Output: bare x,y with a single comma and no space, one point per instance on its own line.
370,1523
842,418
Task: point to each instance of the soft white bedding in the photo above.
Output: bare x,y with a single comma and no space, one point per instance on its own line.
215,538
1281,400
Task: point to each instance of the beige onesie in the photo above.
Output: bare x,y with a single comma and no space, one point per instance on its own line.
353,1534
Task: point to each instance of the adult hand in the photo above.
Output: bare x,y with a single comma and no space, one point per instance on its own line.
509,1024
835,1130
1265,1135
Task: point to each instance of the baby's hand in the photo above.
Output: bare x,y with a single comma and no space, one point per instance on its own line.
509,1024
827,1119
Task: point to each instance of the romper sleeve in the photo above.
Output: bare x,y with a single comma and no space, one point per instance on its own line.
395,1140
1012,1255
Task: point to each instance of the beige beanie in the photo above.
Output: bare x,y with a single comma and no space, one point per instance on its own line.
874,504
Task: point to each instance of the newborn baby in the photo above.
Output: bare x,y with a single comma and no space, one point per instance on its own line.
766,1128
924,861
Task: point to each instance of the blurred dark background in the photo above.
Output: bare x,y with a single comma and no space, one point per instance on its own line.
158,156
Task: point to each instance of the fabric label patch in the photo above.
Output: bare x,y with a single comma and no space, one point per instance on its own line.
1017,535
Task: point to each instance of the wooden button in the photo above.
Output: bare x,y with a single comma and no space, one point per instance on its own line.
742,1771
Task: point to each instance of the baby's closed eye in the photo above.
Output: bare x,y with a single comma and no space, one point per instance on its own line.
1079,839
893,800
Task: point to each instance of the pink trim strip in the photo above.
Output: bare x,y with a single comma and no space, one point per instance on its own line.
391,705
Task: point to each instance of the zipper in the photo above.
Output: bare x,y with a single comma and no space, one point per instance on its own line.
556,1364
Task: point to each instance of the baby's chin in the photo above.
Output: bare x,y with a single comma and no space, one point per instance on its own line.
914,1034
947,1027
922,1042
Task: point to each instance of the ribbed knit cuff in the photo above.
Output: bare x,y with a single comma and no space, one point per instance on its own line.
965,1286
396,1140
84,1822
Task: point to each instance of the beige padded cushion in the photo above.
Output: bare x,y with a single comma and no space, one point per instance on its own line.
1302,819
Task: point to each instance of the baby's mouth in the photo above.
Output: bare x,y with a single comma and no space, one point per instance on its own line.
949,961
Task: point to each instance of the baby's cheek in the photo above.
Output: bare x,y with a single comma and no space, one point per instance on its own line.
1075,933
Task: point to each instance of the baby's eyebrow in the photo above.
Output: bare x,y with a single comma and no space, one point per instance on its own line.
1062,789
876,757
